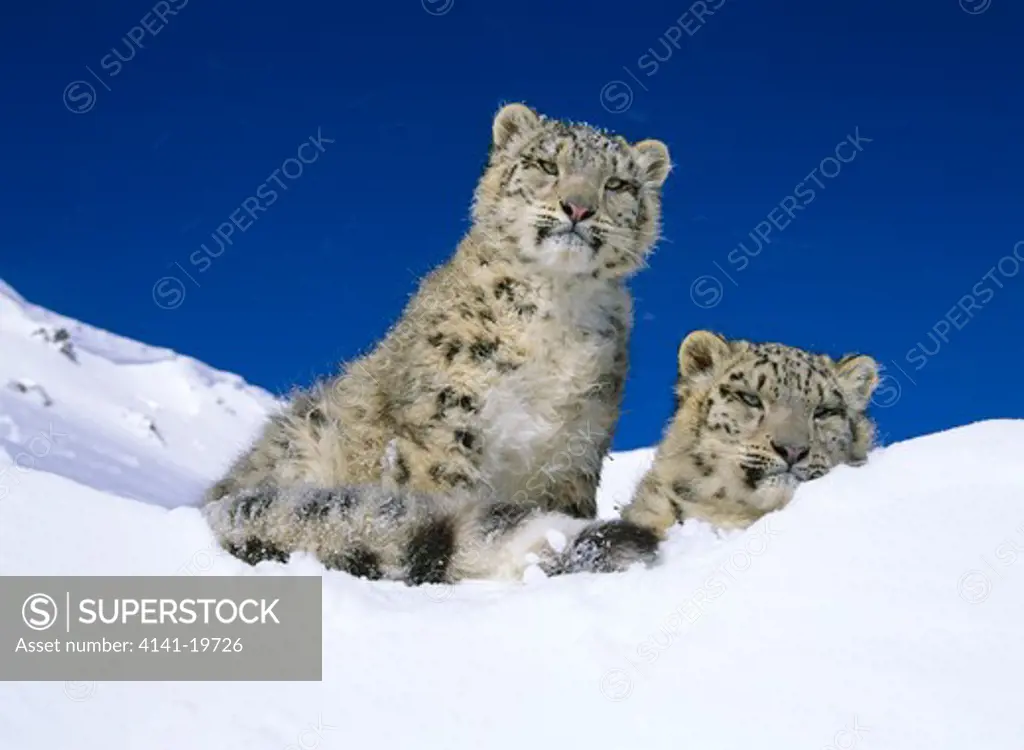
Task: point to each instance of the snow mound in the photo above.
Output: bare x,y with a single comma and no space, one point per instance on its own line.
881,610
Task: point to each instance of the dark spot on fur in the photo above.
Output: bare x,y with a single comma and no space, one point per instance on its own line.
319,507
251,508
255,551
527,310
451,479
343,499
430,552
503,517
505,288
752,475
681,489
504,367
402,472
465,438
481,350
359,562
453,349
445,397
314,509
610,546
719,494
466,402
316,417
458,479
435,339
677,511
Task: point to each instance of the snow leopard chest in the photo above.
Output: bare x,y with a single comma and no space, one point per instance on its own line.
565,354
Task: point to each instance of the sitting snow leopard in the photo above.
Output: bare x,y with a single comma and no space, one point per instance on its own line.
752,422
508,353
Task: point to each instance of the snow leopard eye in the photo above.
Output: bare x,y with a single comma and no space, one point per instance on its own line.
749,399
548,166
616,184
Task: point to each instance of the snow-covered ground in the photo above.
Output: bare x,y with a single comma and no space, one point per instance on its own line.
111,413
882,610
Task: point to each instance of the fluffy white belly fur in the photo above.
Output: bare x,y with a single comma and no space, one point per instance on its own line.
547,413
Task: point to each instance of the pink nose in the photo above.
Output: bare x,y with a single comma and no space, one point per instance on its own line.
576,212
791,453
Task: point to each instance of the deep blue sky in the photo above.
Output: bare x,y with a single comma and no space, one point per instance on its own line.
98,206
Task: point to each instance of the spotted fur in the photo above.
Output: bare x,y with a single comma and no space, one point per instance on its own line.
752,422
372,532
503,378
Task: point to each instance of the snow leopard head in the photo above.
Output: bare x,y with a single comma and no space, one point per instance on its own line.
573,199
766,417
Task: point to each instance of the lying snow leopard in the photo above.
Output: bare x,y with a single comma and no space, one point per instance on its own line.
509,353
752,421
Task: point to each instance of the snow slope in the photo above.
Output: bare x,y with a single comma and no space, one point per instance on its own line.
111,413
881,610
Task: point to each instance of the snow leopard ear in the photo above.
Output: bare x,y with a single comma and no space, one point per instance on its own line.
511,121
700,354
857,375
654,161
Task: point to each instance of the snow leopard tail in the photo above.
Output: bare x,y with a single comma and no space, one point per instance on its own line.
378,533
